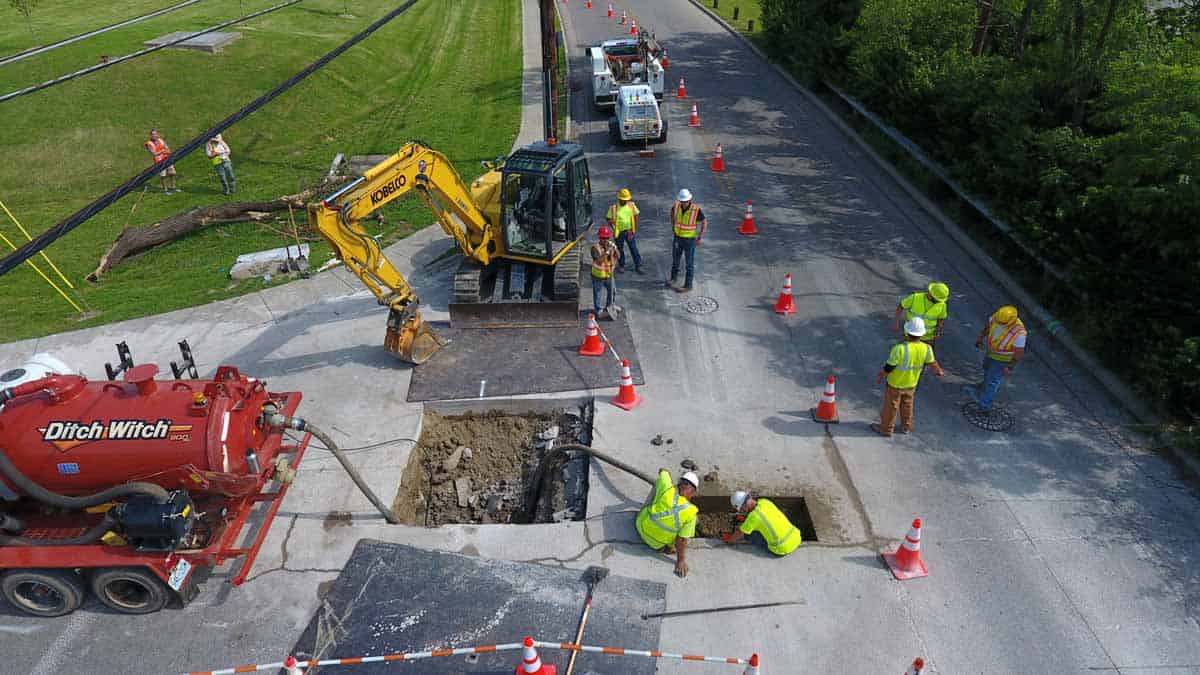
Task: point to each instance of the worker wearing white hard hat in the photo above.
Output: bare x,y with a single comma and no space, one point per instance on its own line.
762,516
669,519
689,225
906,361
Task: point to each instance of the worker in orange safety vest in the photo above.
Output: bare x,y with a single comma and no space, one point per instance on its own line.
1005,337
158,149
604,261
688,225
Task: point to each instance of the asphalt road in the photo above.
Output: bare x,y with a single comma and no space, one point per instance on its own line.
1064,545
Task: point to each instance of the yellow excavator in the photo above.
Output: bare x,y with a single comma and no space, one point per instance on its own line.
518,227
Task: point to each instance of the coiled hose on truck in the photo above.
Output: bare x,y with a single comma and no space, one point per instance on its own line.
560,453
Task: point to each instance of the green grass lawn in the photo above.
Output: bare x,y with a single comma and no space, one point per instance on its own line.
748,11
447,72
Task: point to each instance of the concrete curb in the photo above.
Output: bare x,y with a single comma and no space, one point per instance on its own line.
1116,388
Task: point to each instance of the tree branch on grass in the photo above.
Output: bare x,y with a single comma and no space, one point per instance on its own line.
25,7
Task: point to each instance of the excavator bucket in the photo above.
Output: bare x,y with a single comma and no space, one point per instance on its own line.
514,314
409,338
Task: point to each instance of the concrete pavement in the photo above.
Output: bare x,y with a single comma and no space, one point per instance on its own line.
1062,546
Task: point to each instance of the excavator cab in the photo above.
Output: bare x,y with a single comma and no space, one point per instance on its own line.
545,201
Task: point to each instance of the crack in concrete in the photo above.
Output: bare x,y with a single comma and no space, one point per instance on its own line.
842,473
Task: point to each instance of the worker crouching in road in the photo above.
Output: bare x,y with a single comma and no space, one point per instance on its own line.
763,517
669,520
903,369
928,305
1005,335
604,259
623,218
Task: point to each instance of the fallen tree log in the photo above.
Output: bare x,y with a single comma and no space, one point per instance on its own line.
134,240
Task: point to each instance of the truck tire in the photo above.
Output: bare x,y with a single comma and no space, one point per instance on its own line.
43,592
614,131
662,137
130,590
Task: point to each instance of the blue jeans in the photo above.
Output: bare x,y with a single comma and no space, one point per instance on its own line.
687,248
627,237
993,377
598,284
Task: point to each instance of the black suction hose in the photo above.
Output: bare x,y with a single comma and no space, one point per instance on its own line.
92,536
560,453
41,494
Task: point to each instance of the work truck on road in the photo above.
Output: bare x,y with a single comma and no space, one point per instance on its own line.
616,63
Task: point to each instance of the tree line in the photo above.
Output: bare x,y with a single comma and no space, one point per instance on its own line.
1078,121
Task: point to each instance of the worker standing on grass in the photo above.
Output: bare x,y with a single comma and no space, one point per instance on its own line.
929,305
763,517
158,149
669,520
604,259
903,369
623,218
689,225
218,153
1005,335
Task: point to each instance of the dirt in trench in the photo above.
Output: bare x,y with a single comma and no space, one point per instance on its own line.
713,525
479,468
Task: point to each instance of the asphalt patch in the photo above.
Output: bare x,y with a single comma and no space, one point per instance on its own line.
481,362
392,598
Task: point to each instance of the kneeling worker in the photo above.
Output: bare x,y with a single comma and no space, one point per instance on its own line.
763,517
669,520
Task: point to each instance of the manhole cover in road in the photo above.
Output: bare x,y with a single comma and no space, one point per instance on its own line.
701,304
996,419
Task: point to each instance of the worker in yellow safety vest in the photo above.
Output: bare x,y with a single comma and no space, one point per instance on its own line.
623,218
903,368
762,516
1005,335
669,520
929,305
688,225
604,259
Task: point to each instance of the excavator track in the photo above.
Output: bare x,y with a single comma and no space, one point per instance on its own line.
468,281
566,274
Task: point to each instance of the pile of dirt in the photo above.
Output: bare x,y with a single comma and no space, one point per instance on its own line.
479,468
711,525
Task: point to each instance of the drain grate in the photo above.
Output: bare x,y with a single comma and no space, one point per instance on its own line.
996,419
701,304
717,516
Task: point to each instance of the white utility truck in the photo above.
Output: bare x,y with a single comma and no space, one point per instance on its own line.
625,61
637,117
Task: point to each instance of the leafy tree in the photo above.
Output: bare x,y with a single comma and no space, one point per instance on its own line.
25,7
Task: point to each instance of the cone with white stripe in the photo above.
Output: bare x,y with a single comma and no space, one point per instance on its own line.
292,666
906,562
917,666
694,119
531,663
624,18
610,11
752,669
681,92
592,346
785,304
748,226
826,410
633,27
627,398
718,160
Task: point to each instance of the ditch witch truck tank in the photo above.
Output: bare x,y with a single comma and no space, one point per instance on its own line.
625,61
127,487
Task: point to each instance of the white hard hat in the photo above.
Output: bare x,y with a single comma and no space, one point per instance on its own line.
685,195
915,326
692,478
738,498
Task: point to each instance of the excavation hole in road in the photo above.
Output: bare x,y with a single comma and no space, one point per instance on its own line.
717,516
481,468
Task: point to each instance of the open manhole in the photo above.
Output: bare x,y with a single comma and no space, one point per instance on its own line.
496,467
717,516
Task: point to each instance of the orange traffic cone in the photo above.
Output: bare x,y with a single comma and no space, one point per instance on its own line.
906,563
592,346
718,161
627,398
610,12
682,91
292,666
918,665
663,59
785,305
747,226
623,17
633,27
531,663
826,410
752,669
589,4
694,120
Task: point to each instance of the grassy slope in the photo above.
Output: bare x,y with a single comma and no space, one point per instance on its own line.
748,10
447,72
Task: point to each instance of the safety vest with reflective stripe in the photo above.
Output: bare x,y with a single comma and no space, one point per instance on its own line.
615,209
159,148
602,265
907,373
930,313
766,518
668,515
1003,338
685,222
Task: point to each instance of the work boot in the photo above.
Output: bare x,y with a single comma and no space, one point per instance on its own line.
620,269
670,283
639,270
683,289
879,430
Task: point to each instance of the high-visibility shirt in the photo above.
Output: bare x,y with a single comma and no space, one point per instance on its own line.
602,260
668,517
782,536
218,152
909,359
685,221
1004,340
930,311
622,216
159,148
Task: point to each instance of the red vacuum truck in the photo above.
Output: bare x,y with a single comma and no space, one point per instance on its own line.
128,487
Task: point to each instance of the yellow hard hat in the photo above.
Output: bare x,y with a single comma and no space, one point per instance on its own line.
1005,315
939,291
625,194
